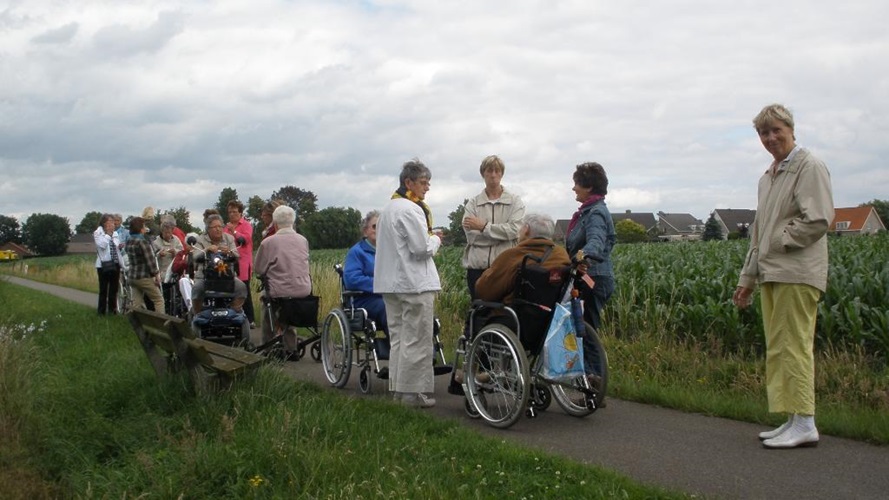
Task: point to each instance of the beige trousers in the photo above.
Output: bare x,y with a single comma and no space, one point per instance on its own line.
410,317
149,288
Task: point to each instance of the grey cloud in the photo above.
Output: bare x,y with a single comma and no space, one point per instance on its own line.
62,34
122,40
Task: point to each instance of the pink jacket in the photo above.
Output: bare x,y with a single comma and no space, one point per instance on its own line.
245,251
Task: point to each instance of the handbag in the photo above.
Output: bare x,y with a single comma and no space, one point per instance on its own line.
562,349
109,266
300,312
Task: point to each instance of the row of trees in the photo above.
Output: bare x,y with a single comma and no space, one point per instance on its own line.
332,227
44,234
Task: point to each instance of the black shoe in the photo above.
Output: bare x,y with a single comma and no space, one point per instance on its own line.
384,373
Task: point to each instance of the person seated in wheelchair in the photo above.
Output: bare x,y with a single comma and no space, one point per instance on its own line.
215,255
358,275
498,282
283,262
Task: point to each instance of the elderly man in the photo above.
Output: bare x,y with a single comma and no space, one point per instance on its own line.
215,240
497,283
283,259
405,274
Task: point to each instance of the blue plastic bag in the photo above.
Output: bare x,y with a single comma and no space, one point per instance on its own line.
562,349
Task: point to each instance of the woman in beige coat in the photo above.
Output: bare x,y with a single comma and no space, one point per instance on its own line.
491,221
788,259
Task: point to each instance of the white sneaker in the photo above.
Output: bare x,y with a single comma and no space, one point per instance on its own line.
776,432
417,400
795,437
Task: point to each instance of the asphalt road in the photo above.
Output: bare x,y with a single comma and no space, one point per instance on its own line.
705,456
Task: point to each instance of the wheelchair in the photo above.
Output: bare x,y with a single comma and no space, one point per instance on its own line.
350,338
217,321
502,357
293,313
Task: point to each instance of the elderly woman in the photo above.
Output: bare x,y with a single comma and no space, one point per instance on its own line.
591,230
143,271
283,259
788,258
406,276
358,272
108,264
215,240
241,230
166,246
491,221
265,215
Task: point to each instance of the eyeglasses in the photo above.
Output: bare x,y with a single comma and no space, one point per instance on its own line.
217,226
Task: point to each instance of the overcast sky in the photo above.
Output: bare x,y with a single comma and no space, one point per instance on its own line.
116,105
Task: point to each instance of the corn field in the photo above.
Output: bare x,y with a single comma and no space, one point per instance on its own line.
684,290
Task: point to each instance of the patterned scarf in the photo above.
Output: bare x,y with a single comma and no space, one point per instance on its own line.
592,199
403,192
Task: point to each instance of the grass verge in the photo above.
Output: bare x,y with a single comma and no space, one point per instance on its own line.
84,416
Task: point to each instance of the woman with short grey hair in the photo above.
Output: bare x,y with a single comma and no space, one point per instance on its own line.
358,272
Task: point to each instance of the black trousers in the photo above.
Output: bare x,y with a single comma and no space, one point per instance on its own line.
109,282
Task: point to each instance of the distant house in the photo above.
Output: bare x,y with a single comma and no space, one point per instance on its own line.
644,219
678,227
82,243
856,220
11,251
734,220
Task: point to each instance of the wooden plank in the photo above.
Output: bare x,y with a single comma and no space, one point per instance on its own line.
234,354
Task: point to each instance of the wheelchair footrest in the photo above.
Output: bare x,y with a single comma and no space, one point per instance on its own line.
442,369
383,373
455,389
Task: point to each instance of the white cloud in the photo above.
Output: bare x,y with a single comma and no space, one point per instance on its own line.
114,106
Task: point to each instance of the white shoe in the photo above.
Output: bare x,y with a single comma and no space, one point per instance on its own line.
417,400
776,432
793,438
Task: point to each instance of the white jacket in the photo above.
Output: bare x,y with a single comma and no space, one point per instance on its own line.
404,250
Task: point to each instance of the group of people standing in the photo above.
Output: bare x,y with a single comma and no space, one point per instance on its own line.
406,279
393,263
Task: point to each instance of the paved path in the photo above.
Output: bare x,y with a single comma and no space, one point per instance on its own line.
712,457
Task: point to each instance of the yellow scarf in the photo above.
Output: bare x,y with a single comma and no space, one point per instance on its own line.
407,194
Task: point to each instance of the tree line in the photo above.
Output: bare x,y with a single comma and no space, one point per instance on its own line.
331,227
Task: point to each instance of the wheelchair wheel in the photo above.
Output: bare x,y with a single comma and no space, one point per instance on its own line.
124,298
336,348
542,396
496,374
365,380
471,412
315,351
571,398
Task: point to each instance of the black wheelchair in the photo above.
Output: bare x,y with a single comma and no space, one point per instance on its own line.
292,313
349,338
502,357
217,321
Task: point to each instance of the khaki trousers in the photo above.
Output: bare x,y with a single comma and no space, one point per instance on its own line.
789,312
149,288
410,317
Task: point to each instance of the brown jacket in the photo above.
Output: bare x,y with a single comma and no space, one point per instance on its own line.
497,283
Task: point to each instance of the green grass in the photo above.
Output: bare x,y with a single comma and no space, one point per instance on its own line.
82,415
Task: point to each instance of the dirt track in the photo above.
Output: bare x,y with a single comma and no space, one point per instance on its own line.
707,456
